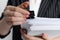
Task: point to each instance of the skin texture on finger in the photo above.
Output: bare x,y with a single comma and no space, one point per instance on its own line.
24,5
15,19
45,36
9,13
17,14
17,9
15,23
12,8
20,10
12,11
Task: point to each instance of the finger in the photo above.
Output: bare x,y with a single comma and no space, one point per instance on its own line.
44,36
15,23
25,35
24,5
17,9
20,10
15,14
8,13
28,37
15,19
12,8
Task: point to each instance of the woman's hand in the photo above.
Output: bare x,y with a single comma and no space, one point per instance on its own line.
16,15
13,16
41,37
28,37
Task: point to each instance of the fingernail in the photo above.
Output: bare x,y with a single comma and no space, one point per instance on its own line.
27,13
42,33
24,31
27,16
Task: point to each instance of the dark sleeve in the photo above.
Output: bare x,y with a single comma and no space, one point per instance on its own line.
3,36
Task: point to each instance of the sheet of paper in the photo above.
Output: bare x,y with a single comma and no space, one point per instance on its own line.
44,23
34,26
50,33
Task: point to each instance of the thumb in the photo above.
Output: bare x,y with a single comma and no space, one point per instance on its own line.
45,36
24,5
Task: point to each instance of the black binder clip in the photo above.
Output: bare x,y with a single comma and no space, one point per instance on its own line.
32,15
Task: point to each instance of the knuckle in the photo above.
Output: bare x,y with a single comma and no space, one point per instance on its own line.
12,18
27,12
11,13
14,13
6,12
18,9
12,8
13,23
8,7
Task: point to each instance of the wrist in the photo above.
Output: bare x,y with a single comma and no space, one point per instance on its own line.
4,27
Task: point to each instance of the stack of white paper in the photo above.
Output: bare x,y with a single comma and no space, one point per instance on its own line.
44,24
38,24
